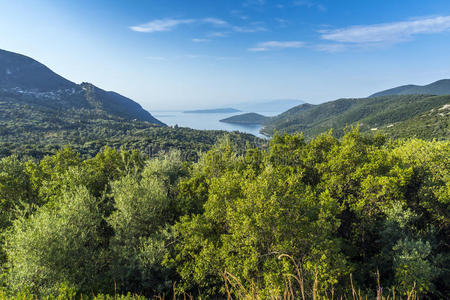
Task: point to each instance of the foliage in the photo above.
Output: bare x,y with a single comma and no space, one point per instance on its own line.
58,245
239,219
36,130
421,116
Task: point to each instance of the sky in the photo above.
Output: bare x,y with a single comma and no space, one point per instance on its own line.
190,54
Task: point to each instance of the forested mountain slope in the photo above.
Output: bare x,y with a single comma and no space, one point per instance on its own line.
395,115
38,130
440,87
24,80
41,112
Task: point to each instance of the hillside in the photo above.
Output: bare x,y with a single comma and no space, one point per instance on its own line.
38,130
440,87
41,112
370,113
431,124
248,118
24,80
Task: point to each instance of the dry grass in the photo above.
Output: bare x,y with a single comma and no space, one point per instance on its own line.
293,291
294,288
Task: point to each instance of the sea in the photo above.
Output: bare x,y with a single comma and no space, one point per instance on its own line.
207,121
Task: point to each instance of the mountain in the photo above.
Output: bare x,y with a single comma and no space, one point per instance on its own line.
248,118
398,116
440,87
24,73
227,110
269,106
41,112
28,81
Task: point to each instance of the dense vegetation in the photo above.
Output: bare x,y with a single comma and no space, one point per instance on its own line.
176,213
396,116
440,87
25,80
248,118
36,129
120,222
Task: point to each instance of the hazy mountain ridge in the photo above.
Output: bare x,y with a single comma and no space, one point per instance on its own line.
26,80
440,87
372,114
19,71
225,110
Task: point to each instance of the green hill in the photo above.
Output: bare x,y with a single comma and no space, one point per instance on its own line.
431,124
24,80
248,118
372,114
37,130
41,112
440,87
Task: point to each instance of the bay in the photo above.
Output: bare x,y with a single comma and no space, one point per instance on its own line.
207,121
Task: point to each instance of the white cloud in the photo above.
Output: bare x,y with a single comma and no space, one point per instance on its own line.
200,40
170,24
218,34
387,32
273,45
309,4
281,22
215,21
247,29
239,14
161,25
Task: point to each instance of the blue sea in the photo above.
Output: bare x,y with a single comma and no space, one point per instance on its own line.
204,121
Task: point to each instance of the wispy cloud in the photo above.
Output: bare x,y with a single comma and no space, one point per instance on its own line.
161,25
310,4
249,29
277,45
239,14
170,24
281,22
225,27
215,21
218,34
387,32
200,40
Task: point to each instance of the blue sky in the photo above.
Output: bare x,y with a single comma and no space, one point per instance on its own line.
193,54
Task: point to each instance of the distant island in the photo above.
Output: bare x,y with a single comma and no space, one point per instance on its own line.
227,110
248,118
275,106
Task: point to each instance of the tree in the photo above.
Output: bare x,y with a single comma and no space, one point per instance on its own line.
59,245
142,208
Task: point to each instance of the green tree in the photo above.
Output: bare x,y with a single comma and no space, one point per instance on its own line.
142,208
58,245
